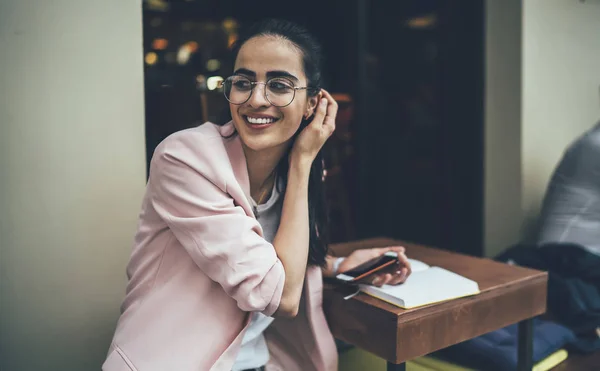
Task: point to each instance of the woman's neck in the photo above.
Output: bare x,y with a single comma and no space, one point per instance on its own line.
261,166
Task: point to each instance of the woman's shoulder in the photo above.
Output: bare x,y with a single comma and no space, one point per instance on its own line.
200,135
202,147
202,139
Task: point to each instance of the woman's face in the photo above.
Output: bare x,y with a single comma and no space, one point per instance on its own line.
260,124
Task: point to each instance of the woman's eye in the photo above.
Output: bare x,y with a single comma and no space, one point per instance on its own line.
279,86
242,85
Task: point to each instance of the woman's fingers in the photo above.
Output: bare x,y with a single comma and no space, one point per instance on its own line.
323,122
320,113
399,272
312,138
375,280
382,250
399,276
397,249
404,263
395,278
328,123
332,108
379,280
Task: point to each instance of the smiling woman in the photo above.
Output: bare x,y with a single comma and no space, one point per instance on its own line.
232,234
272,94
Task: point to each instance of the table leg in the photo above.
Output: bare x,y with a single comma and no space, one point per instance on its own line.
396,367
525,355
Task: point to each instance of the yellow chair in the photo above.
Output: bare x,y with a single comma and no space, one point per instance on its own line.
359,360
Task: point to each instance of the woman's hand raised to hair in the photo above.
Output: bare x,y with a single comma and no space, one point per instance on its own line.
312,138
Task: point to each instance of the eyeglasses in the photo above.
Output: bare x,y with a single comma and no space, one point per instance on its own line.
279,91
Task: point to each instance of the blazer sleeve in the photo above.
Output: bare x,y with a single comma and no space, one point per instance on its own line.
218,235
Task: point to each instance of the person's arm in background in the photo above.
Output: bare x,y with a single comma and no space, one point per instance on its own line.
571,206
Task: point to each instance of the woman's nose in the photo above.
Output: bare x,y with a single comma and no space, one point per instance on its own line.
258,98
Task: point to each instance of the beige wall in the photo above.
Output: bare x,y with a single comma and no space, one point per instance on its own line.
73,173
503,185
542,80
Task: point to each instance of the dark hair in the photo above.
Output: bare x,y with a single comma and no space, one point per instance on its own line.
311,58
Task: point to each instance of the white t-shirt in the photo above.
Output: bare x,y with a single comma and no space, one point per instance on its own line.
254,352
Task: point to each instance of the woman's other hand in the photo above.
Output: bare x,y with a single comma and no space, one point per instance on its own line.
395,275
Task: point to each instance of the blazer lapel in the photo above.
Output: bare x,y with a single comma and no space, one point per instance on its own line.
237,158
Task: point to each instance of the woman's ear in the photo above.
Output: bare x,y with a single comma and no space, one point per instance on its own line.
308,113
312,103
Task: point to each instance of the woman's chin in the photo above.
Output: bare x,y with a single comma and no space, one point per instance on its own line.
258,146
262,143
262,140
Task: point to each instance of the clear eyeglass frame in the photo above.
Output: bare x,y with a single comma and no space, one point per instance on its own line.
253,84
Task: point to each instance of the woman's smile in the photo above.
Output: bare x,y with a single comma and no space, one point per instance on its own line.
258,121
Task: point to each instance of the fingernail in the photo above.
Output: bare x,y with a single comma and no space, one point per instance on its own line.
323,101
398,272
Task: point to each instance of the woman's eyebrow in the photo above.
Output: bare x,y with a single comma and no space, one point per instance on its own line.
270,74
244,71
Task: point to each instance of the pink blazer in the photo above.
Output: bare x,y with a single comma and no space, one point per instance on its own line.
199,265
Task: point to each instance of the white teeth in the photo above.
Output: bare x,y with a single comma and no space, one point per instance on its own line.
259,121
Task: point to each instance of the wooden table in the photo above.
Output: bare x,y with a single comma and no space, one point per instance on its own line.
509,295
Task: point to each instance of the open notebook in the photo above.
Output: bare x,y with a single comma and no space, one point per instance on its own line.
426,285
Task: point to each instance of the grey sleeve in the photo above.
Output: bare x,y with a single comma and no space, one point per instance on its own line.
571,208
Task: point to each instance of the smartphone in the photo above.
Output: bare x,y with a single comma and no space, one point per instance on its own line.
366,269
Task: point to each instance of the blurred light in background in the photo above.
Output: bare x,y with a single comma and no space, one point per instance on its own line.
213,65
232,38
213,82
230,24
185,52
183,55
158,5
151,58
201,82
192,46
426,21
160,44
